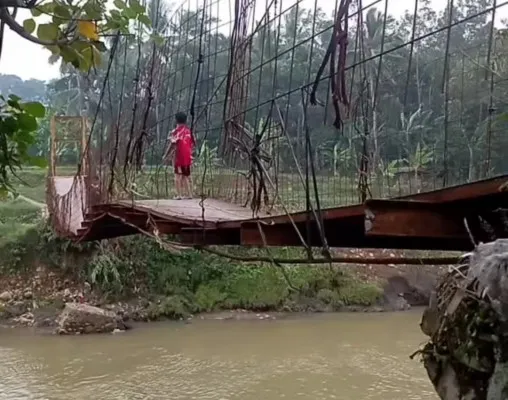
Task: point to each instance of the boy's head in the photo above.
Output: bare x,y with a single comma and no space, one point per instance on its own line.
181,118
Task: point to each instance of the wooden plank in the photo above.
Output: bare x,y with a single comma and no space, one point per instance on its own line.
191,211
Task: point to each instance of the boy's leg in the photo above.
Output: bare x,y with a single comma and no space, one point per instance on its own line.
178,183
187,182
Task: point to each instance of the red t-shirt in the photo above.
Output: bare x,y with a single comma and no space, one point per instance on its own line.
184,143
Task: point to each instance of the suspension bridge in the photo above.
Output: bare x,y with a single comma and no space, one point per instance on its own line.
399,144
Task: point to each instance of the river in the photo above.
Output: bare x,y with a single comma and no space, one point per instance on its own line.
339,356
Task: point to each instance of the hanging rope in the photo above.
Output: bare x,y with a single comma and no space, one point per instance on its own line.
338,41
200,61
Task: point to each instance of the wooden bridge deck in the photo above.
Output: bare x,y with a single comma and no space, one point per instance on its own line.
432,220
195,211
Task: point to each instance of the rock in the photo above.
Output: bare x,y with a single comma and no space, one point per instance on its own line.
15,309
84,318
67,293
6,296
28,295
25,319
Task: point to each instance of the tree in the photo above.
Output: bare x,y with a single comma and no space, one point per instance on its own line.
74,33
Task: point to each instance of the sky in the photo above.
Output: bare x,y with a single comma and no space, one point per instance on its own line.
29,60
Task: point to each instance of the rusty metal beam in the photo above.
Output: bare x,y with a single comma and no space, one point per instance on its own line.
204,237
466,191
105,232
348,233
416,219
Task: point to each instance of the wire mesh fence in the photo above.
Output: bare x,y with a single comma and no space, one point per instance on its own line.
408,101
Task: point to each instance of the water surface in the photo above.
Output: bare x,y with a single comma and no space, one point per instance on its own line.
341,356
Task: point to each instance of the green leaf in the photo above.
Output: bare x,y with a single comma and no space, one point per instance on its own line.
35,109
35,12
29,25
69,55
93,10
120,4
129,13
54,49
136,7
90,56
47,32
27,122
14,98
62,12
47,8
144,19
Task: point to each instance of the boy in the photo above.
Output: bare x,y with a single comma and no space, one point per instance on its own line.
182,144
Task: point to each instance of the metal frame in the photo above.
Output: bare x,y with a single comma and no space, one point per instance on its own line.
55,140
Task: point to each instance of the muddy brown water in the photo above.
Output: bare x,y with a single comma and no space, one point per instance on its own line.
341,357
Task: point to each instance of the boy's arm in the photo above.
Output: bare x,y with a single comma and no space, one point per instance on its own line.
170,146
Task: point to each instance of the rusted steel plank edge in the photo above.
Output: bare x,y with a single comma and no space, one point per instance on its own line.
415,219
451,194
464,191
340,235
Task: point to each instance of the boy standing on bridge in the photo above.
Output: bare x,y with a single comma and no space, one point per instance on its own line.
181,145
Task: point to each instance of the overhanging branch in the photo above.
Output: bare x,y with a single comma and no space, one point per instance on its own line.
17,3
8,19
339,260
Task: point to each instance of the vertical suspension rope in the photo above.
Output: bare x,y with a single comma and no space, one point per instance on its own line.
445,89
490,66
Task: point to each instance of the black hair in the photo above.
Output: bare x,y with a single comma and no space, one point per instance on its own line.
181,118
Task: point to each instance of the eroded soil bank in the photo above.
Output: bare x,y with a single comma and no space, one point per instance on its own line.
37,296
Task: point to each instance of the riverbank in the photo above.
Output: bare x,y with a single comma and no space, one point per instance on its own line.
135,280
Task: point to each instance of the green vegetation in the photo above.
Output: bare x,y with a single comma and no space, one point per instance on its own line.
75,35
176,285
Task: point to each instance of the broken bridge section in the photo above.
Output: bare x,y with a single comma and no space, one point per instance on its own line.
445,219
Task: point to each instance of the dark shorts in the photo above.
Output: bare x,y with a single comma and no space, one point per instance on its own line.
185,171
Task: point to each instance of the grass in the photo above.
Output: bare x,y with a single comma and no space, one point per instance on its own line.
19,211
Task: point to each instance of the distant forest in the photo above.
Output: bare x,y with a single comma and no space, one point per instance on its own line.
31,89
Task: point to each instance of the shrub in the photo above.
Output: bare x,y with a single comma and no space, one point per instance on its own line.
359,293
172,307
209,297
330,298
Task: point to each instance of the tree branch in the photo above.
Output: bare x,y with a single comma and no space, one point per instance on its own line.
9,20
17,3
338,260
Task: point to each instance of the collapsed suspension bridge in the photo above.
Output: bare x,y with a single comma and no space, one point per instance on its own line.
306,124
